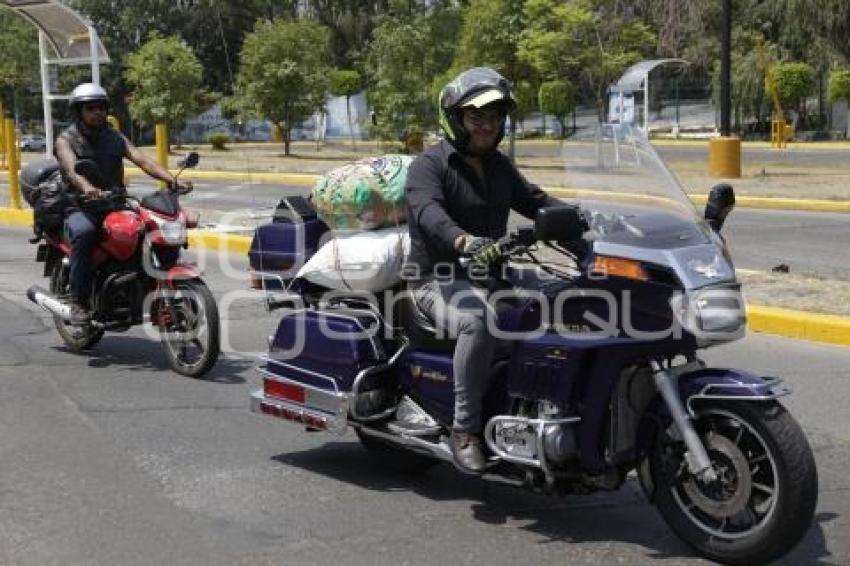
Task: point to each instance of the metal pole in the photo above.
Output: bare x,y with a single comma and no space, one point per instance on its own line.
646,105
45,95
725,69
95,62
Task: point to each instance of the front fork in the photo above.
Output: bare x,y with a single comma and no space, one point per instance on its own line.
699,464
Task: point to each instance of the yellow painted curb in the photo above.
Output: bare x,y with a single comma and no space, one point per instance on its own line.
826,328
779,203
228,243
15,216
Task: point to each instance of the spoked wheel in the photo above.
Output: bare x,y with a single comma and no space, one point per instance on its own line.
77,338
189,327
764,498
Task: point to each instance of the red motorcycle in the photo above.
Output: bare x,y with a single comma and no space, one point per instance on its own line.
138,275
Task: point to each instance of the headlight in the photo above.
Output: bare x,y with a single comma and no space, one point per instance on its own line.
700,266
173,232
712,315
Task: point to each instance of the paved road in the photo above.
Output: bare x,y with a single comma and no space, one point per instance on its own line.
108,458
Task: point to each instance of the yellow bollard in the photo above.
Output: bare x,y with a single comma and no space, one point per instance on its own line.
724,157
162,147
3,164
14,163
277,134
778,129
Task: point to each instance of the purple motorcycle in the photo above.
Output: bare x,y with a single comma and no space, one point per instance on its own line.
600,374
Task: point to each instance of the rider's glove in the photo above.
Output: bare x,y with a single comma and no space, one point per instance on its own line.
481,251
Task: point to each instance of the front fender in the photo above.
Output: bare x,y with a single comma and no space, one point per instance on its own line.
727,384
181,272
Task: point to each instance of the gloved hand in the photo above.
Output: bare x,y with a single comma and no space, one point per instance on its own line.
481,251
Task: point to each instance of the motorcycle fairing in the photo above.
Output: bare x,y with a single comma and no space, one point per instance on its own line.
181,272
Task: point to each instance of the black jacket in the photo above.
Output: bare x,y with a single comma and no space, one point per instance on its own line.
446,198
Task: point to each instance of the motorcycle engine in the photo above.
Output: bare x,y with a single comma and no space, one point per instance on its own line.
517,436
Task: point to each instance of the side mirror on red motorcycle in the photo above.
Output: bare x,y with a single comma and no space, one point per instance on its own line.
721,201
563,223
190,161
89,169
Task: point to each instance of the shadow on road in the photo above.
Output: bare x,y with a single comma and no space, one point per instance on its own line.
131,353
621,516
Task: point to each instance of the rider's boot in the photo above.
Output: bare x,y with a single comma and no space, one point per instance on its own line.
467,452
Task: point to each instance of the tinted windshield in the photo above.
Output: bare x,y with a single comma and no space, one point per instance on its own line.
629,194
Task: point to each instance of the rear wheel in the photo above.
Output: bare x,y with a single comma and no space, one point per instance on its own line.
77,338
763,501
189,328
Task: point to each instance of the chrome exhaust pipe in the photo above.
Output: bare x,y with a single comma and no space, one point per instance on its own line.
48,302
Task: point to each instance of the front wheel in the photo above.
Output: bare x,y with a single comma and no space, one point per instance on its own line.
189,328
763,501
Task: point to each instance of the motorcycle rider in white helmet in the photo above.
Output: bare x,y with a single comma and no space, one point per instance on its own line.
91,137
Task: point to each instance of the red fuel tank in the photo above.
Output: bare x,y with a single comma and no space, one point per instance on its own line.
121,234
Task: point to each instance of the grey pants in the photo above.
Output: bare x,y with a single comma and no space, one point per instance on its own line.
461,311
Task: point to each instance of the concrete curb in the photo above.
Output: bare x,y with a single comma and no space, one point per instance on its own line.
825,328
829,329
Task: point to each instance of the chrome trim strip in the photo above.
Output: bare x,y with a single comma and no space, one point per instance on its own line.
328,378
335,423
777,386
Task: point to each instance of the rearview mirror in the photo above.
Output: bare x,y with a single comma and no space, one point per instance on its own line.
559,224
190,161
721,200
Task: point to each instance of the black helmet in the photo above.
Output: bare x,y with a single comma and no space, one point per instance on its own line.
87,92
477,87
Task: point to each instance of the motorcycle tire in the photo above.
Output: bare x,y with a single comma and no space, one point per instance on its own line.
76,338
764,500
395,457
196,324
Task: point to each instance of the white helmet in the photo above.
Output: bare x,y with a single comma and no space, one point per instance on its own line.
87,92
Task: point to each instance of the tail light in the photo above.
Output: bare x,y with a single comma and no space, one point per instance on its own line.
287,391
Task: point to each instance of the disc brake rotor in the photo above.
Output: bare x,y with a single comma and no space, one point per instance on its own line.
730,493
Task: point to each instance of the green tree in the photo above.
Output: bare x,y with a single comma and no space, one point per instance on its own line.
588,41
283,73
406,51
794,82
839,87
526,100
557,98
347,83
166,77
19,64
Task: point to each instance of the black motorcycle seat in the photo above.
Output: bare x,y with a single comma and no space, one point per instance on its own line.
419,327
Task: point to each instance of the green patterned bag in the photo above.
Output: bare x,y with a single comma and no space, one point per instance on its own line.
365,195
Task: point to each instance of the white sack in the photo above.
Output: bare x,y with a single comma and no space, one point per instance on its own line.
364,261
